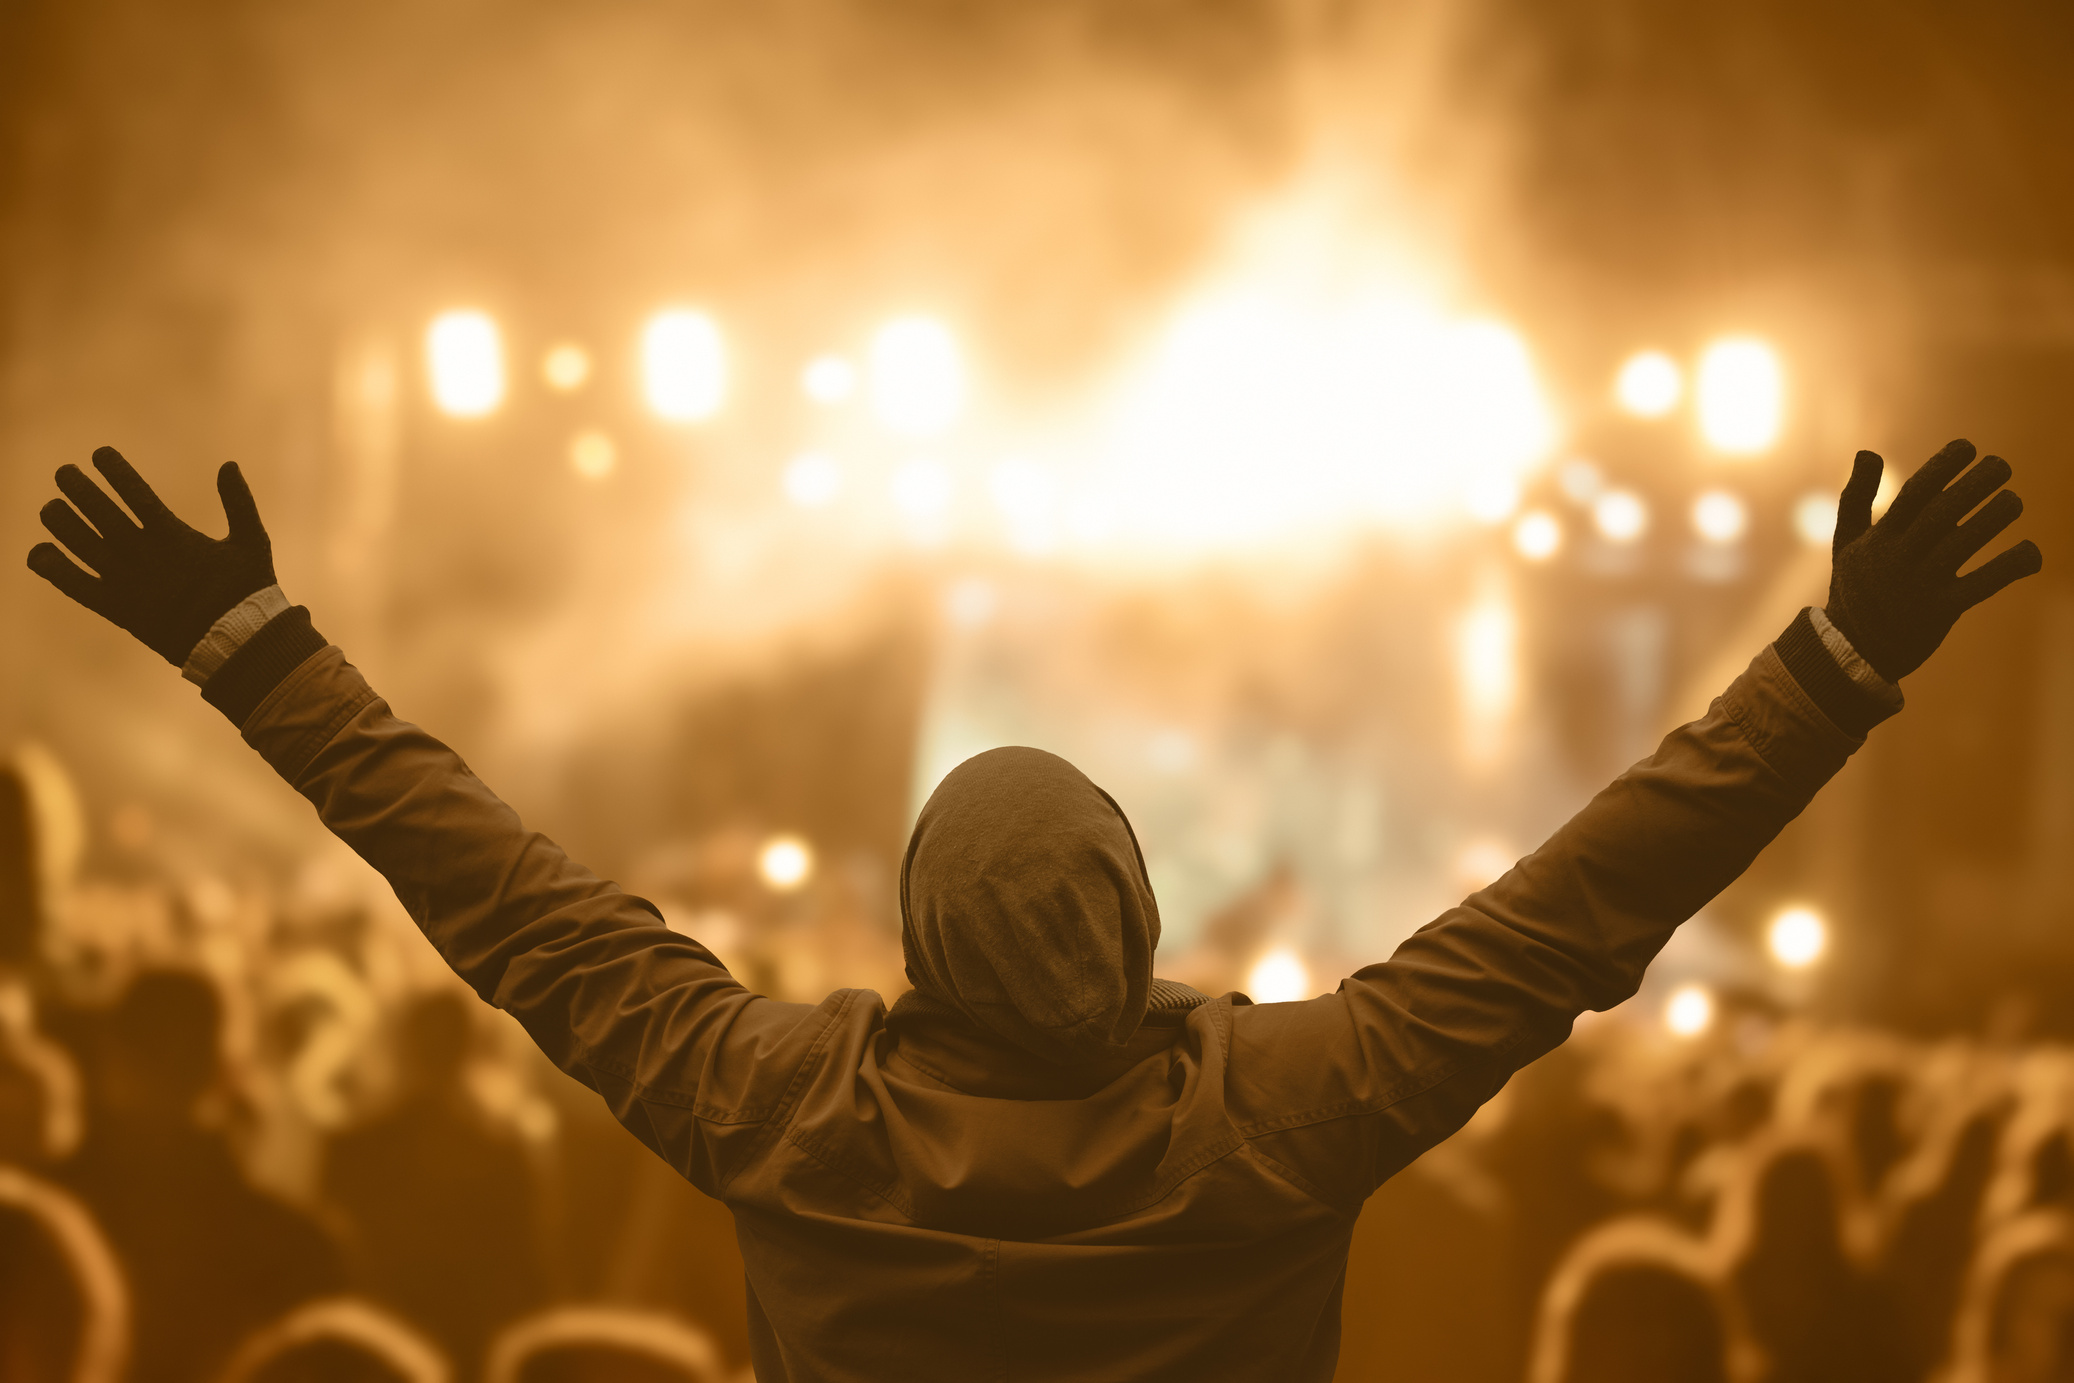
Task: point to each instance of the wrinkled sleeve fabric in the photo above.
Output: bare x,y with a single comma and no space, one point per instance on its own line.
689,1060
1345,1090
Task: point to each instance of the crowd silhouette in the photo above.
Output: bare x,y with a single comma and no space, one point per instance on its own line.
1772,1202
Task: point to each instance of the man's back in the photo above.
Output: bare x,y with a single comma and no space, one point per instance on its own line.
920,1194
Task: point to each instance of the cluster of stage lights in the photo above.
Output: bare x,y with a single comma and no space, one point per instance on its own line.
1738,392
1797,939
913,375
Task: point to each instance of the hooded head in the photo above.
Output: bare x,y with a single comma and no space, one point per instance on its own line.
1025,906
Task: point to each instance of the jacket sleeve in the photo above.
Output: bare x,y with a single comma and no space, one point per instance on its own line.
1348,1089
689,1060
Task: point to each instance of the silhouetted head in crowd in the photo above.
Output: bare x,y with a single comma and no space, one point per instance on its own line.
1642,1323
434,1035
1025,906
1798,1226
20,901
163,1044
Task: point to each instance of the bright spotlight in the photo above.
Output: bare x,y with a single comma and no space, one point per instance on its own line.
566,368
785,862
1620,516
813,480
1485,657
684,365
466,358
1491,498
1797,938
1649,384
828,379
1690,1011
1279,977
1537,536
917,376
922,489
592,454
1719,517
1581,481
1741,395
1814,518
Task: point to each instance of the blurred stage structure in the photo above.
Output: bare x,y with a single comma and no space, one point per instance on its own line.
1351,432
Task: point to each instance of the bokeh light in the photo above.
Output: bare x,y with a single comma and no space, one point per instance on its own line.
1279,977
1649,384
1690,1010
922,489
813,480
784,863
593,454
1742,395
1538,535
1720,516
684,365
566,367
1492,498
1814,518
465,355
828,379
917,376
1621,516
1797,938
1580,480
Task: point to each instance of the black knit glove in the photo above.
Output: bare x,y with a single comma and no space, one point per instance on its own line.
158,578
1894,587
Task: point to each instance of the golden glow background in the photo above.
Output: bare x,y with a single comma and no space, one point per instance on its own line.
1351,432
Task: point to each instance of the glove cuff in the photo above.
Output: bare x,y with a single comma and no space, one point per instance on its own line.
1850,707
262,663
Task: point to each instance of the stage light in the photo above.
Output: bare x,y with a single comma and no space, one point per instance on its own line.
684,365
1279,977
1485,662
1814,518
1797,938
828,379
1025,494
1649,384
593,454
1537,536
1690,1011
566,368
813,480
785,862
922,489
1741,395
1492,499
1580,480
466,358
1719,517
1620,516
917,376
1482,862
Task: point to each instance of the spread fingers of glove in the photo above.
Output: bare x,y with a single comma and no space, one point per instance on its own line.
53,566
102,512
1854,508
238,505
1928,482
1961,497
1956,547
122,476
1998,571
75,533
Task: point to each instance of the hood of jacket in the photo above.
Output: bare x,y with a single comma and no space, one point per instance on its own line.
1025,906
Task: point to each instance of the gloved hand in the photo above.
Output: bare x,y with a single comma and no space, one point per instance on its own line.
1894,587
158,578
